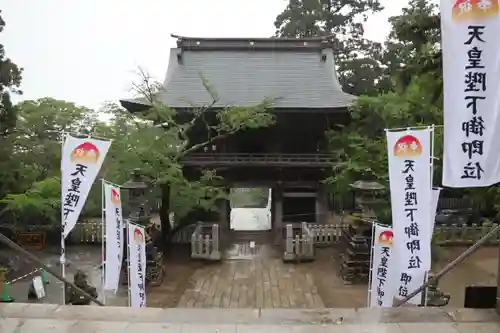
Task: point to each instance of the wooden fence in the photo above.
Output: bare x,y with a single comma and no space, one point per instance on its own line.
205,242
87,233
444,235
464,234
323,234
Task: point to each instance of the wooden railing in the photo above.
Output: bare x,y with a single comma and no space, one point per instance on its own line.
299,245
325,234
444,235
205,242
463,234
232,159
87,233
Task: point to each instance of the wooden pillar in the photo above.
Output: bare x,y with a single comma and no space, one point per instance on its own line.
321,204
224,215
278,206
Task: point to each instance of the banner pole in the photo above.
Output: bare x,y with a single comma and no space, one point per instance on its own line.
433,213
62,259
103,240
370,272
128,264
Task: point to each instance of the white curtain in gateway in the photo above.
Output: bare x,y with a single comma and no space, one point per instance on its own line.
114,237
471,73
137,265
410,185
383,284
80,163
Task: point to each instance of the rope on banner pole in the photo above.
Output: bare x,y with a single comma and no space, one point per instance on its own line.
103,241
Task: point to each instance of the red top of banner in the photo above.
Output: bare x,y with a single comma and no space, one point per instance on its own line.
385,238
474,9
87,152
407,146
138,236
115,196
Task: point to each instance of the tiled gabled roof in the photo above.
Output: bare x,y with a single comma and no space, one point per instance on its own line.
296,73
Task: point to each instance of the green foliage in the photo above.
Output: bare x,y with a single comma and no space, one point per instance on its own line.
40,203
412,58
154,141
361,146
359,66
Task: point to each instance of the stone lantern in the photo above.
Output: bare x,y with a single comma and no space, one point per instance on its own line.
366,198
139,198
356,240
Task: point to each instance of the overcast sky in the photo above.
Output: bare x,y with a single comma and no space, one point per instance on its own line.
86,51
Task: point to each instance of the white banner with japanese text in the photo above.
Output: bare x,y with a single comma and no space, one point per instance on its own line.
80,163
383,284
137,265
410,185
471,74
114,237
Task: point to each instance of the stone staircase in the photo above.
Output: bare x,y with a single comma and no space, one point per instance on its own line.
42,318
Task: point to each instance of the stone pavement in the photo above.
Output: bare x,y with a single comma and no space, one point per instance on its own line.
254,283
42,318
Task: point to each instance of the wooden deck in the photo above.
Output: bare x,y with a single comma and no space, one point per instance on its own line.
251,278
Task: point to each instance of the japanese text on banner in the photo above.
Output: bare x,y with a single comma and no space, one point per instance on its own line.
137,265
382,285
114,237
410,179
471,69
80,163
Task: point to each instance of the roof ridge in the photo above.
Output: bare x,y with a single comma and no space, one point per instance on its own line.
260,43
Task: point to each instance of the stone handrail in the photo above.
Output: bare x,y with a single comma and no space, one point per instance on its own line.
205,245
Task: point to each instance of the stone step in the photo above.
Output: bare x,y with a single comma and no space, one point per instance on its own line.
270,316
42,318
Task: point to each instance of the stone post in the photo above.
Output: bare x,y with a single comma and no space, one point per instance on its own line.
4,295
289,254
215,255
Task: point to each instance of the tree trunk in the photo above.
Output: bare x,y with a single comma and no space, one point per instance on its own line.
166,228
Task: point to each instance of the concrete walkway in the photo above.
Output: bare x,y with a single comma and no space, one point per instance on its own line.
42,318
